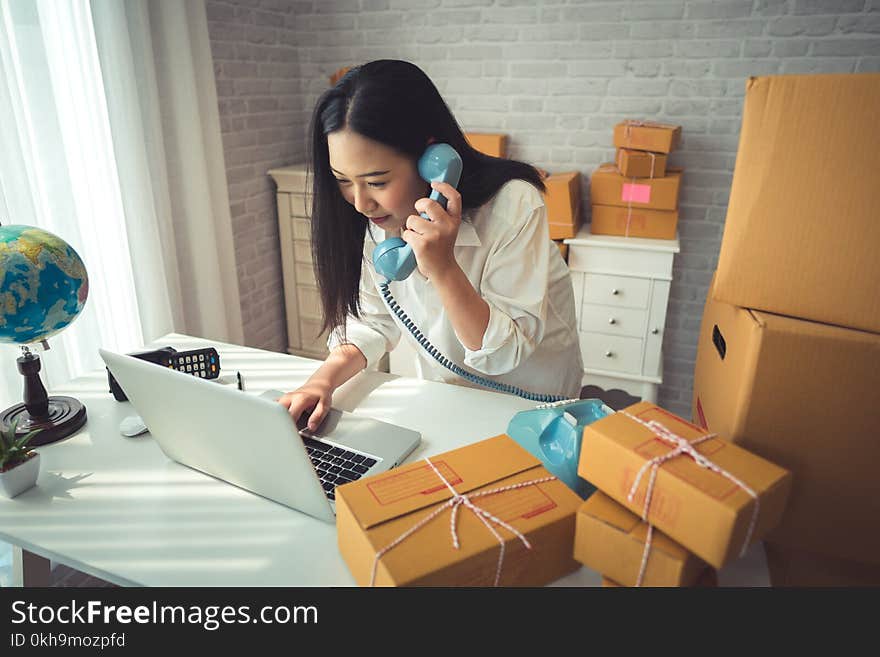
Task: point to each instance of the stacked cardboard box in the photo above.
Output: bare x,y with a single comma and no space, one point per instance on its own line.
394,527
703,499
637,195
610,539
563,200
490,143
788,360
562,196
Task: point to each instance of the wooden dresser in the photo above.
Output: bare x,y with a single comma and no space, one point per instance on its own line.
303,306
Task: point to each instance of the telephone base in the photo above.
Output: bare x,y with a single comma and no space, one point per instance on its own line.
553,435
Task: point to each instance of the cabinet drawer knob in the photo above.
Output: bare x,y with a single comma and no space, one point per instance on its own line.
609,354
655,331
611,320
615,291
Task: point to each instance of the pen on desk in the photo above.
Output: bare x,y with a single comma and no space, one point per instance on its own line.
227,379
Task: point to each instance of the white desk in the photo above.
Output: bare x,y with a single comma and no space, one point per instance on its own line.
118,509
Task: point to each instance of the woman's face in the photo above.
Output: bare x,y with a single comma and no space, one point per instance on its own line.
382,184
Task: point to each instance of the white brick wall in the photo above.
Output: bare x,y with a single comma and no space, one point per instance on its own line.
555,76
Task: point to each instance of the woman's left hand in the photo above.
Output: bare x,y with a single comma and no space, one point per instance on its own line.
433,241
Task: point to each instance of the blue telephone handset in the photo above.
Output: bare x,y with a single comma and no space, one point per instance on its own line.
393,258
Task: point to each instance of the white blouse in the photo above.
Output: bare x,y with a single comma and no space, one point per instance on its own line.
506,253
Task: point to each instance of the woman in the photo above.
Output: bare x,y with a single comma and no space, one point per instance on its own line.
491,292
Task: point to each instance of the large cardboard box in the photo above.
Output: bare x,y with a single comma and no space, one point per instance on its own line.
633,222
373,512
563,200
611,540
494,144
647,136
802,230
705,511
609,187
790,567
640,164
803,395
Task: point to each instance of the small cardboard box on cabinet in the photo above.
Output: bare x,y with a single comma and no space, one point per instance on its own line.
633,222
647,136
563,201
609,187
640,164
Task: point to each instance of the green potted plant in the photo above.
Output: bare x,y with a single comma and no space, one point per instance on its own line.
19,466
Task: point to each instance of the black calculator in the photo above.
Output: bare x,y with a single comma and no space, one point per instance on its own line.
203,363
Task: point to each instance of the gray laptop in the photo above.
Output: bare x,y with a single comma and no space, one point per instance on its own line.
252,442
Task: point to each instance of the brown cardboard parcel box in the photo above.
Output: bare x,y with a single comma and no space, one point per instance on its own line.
802,229
633,222
707,512
609,187
563,201
647,136
493,144
640,164
610,539
374,512
805,396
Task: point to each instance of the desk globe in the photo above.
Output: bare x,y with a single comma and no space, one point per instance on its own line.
43,288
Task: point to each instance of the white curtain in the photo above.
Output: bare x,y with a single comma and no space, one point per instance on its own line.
110,138
58,172
162,101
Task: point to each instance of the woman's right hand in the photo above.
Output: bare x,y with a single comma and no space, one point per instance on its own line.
309,404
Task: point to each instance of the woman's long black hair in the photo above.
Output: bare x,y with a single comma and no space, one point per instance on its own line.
392,102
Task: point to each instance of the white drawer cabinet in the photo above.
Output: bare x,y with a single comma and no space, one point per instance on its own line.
613,320
621,288
303,307
601,351
622,291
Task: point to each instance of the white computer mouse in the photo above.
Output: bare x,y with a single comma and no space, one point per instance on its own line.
132,426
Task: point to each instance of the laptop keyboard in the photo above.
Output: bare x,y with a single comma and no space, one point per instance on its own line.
336,466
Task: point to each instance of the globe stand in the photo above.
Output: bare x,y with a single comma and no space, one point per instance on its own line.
56,416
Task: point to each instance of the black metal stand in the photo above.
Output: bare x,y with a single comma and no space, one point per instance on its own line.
58,416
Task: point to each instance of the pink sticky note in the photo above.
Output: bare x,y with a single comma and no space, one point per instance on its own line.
636,193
